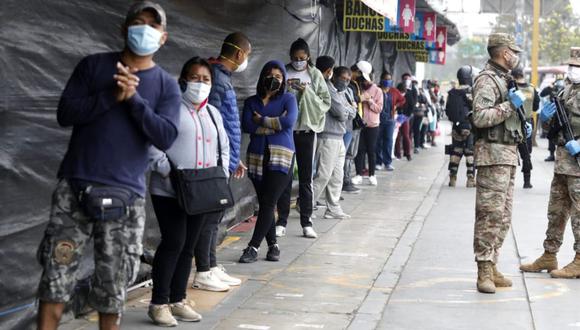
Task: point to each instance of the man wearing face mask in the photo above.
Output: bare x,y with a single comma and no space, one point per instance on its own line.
119,104
498,131
233,57
393,99
565,190
330,149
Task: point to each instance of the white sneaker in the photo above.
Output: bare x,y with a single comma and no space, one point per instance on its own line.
220,272
333,215
379,167
161,315
309,232
209,281
280,231
183,311
373,180
356,180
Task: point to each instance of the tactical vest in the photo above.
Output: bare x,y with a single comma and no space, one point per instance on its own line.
510,130
570,99
528,92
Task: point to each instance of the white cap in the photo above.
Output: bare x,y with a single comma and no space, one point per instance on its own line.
365,68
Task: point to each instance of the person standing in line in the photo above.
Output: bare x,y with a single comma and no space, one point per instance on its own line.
308,85
531,105
330,149
499,130
233,58
196,147
565,190
459,105
269,118
404,117
352,136
393,99
372,100
118,104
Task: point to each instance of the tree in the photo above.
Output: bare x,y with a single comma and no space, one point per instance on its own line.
558,32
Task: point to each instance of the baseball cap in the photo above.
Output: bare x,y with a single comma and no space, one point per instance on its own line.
365,68
139,6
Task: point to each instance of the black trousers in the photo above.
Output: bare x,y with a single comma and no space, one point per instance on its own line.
416,128
283,205
172,262
367,146
269,191
304,143
205,249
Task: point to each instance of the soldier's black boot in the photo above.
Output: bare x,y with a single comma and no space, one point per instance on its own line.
527,184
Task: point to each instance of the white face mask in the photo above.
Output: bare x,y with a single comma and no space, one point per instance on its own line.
299,65
242,66
196,92
574,74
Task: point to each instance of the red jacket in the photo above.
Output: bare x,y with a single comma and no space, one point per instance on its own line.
398,100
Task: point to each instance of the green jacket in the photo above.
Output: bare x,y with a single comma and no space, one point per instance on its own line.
313,103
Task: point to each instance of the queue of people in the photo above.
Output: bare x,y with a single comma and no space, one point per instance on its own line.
314,114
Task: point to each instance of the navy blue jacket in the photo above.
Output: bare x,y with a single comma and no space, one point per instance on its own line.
110,140
223,97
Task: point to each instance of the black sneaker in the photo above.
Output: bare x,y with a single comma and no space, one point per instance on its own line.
550,158
249,255
273,253
351,189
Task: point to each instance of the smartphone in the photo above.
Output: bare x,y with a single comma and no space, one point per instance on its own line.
293,83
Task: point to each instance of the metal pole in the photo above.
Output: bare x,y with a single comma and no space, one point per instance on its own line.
535,42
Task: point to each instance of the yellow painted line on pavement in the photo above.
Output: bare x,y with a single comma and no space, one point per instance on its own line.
560,289
228,241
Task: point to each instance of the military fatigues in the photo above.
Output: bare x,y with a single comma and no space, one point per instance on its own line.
117,246
565,189
497,134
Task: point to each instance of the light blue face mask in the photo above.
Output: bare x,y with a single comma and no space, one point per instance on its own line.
143,40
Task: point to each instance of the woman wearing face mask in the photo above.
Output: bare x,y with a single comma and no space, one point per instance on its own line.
200,128
269,118
309,86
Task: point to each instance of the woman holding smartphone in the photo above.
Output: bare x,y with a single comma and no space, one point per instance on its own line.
308,85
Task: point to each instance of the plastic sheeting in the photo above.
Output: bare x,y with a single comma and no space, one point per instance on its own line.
41,42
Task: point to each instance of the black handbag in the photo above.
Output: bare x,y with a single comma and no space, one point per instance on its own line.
202,190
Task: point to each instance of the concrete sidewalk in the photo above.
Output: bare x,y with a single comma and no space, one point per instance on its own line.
404,261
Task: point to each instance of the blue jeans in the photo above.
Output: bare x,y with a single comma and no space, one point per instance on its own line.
385,143
347,137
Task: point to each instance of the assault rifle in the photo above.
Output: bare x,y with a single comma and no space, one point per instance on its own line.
522,145
562,122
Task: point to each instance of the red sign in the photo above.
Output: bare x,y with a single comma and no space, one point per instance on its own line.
441,55
429,26
406,16
441,37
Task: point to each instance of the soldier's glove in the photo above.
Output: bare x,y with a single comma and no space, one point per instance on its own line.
548,111
573,147
517,98
528,130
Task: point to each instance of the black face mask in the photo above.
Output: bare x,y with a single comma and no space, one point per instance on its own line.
272,84
341,85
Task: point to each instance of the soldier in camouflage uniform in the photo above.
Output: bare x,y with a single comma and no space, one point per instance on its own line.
118,104
565,190
498,130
